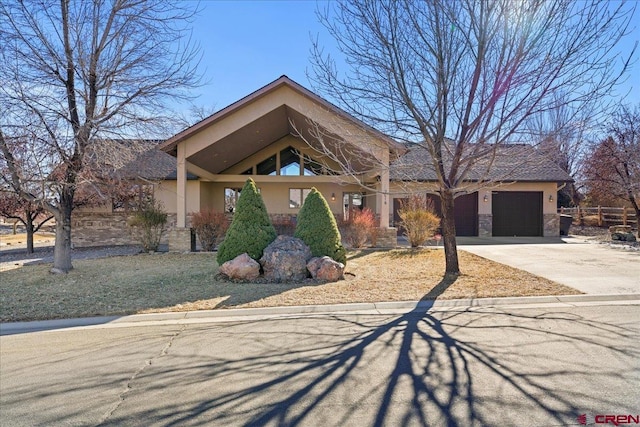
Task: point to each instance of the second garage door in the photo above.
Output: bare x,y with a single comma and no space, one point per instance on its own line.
466,213
517,213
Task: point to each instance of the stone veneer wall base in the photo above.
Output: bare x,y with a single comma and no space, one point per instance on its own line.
387,238
551,225
485,225
181,240
107,229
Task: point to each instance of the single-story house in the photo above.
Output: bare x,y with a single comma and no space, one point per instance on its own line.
288,139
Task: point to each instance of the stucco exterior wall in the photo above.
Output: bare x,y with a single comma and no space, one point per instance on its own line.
166,193
276,195
261,106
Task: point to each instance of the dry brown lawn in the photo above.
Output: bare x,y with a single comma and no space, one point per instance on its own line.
149,283
19,240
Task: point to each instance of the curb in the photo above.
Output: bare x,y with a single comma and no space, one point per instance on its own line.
237,314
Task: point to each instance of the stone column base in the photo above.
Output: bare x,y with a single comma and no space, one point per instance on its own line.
182,240
387,237
551,225
485,225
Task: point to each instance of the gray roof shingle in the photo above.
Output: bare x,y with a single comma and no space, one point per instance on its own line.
513,162
152,164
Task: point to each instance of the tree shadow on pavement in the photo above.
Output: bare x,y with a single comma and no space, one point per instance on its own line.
454,368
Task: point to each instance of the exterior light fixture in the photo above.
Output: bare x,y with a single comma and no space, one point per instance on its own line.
333,197
550,198
486,198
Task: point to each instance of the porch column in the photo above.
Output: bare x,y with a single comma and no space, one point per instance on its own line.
181,220
384,191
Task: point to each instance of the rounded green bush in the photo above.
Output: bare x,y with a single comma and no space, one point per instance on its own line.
317,227
251,230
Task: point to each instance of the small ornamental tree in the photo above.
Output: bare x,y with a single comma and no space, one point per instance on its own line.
418,219
317,227
251,230
149,223
359,227
210,227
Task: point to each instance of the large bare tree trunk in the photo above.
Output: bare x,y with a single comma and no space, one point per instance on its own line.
62,249
28,223
449,233
636,208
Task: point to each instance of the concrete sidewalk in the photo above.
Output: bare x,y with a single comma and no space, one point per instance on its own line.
244,314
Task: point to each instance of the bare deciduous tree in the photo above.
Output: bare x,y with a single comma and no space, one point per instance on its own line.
462,78
78,76
612,167
31,215
561,135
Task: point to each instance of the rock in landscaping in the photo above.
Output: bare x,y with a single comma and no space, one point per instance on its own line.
623,237
325,269
285,259
614,229
242,267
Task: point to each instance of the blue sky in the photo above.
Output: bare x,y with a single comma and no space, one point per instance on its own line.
247,44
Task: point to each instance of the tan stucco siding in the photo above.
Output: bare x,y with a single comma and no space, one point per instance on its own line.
332,122
207,196
166,191
276,195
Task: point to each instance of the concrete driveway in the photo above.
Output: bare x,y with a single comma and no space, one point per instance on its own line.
589,267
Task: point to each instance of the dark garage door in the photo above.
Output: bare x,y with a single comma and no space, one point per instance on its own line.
517,213
466,213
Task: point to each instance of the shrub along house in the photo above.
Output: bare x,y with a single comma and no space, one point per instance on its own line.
288,140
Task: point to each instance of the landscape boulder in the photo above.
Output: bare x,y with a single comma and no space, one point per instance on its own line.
285,259
242,267
619,229
623,237
325,269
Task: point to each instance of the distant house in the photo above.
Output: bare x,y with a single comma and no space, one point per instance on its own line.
289,139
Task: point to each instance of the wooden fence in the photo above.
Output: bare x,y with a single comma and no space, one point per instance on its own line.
605,215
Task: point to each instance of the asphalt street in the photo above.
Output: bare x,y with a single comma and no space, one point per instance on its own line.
509,366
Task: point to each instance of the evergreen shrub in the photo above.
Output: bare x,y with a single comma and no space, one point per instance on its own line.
251,230
317,227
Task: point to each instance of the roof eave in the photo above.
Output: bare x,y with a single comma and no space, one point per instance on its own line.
169,146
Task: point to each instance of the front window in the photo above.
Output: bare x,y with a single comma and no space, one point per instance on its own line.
267,167
351,201
297,197
292,163
289,162
231,199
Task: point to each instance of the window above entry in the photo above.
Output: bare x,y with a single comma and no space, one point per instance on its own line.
288,162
